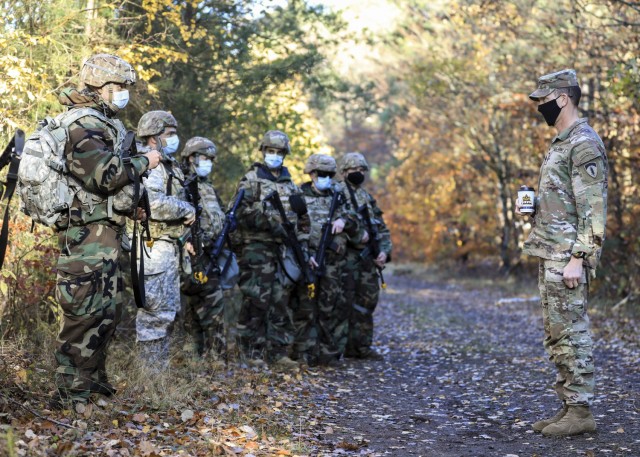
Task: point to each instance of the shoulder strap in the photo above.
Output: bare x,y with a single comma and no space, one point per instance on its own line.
14,149
352,195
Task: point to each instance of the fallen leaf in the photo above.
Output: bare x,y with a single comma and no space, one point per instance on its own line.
187,415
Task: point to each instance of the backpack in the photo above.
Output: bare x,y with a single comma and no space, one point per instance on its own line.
46,189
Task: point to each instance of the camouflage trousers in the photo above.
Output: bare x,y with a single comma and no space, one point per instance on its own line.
89,291
162,289
362,290
264,325
322,324
567,335
204,315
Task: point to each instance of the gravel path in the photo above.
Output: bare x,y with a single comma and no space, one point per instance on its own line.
465,374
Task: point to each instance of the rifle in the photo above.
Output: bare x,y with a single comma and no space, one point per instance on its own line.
327,237
291,241
373,245
195,232
141,200
10,156
223,237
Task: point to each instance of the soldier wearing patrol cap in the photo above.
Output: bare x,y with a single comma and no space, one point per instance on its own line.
567,236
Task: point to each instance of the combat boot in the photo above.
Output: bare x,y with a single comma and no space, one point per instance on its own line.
576,421
285,364
541,424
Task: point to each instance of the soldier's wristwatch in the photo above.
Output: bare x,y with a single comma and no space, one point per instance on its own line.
578,255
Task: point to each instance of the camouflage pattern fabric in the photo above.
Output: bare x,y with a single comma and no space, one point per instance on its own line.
162,268
570,218
204,313
89,281
362,287
567,337
329,329
572,198
559,80
265,328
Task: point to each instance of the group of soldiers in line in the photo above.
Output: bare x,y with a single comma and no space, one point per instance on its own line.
310,257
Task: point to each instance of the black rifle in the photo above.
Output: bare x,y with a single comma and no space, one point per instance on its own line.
291,241
194,234
140,200
327,237
228,227
11,157
373,245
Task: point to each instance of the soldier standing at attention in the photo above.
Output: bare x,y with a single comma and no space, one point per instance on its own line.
362,285
322,322
567,236
265,328
89,280
204,316
170,212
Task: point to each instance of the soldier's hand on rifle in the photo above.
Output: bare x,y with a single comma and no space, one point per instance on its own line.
381,259
189,248
365,237
190,219
141,214
313,263
337,226
154,158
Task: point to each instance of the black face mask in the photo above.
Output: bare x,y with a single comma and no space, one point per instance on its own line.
356,178
550,111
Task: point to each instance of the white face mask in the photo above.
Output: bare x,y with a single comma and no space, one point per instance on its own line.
171,144
120,98
273,160
323,183
204,168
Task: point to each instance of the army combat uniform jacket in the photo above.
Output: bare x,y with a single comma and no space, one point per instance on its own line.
572,198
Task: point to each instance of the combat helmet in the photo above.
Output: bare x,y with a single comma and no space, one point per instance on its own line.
154,122
102,69
320,162
275,139
353,160
200,145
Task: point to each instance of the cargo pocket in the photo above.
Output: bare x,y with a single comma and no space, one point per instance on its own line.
81,294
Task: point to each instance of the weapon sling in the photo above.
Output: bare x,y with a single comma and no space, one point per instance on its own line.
10,155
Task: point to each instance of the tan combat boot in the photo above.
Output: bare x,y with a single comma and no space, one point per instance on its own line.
538,426
576,421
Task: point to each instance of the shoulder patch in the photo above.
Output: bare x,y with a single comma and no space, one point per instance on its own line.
585,152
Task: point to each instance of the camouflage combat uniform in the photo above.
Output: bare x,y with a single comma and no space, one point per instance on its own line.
169,208
89,280
264,324
331,330
204,313
570,218
362,281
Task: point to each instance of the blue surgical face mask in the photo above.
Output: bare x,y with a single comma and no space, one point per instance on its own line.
120,98
204,168
323,183
171,144
273,160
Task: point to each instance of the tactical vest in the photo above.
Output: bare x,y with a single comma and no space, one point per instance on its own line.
173,229
318,207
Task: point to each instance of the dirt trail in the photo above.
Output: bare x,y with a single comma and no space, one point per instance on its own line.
465,374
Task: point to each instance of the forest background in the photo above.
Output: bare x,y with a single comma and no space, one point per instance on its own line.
434,93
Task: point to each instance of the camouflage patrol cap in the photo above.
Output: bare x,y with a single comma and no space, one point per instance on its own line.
558,80
200,145
102,69
353,160
275,139
320,162
154,123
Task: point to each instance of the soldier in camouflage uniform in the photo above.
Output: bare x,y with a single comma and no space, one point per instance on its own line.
89,281
204,313
265,328
322,322
567,236
362,286
170,213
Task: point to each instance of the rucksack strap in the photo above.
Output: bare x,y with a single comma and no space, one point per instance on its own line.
11,155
